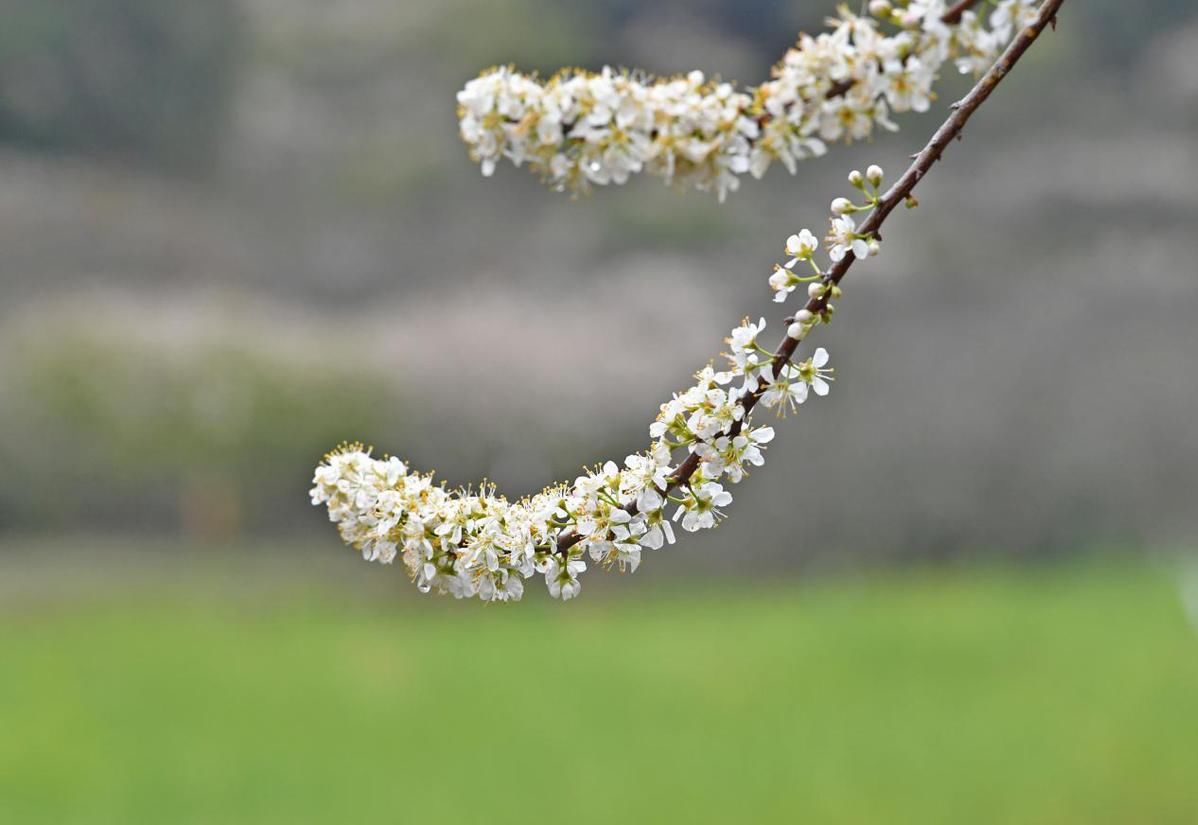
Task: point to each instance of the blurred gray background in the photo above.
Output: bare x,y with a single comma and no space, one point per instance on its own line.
236,232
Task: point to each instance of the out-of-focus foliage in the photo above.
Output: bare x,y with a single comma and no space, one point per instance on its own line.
192,696
141,79
214,436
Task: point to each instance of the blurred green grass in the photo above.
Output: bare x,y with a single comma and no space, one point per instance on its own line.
1050,694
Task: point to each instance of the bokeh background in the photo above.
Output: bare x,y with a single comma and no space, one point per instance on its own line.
237,232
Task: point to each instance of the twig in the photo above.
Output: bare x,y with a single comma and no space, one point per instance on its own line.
953,15
896,194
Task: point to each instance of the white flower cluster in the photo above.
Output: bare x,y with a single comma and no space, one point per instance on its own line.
843,238
580,128
479,544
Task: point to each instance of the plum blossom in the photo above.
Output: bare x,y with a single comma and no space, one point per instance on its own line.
785,391
812,372
800,247
581,129
844,238
700,506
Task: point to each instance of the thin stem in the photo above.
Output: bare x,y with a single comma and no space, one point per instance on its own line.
962,110
953,15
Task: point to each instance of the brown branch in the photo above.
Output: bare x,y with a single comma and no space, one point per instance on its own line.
840,87
962,110
953,16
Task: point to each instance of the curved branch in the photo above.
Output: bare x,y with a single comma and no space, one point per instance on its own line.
896,194
481,545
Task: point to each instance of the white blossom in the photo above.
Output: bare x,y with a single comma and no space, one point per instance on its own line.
844,238
801,247
786,390
812,372
700,506
580,129
743,341
562,579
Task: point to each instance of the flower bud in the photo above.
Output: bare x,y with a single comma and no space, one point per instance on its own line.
874,247
842,206
804,316
879,8
795,331
815,290
856,178
874,175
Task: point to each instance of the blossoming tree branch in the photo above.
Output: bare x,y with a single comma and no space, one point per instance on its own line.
581,129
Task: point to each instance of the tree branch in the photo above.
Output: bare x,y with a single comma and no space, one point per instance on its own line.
953,15
962,110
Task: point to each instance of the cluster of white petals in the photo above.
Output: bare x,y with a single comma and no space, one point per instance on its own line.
580,128
469,543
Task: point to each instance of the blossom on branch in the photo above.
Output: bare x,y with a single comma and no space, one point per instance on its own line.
469,543
476,543
580,129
